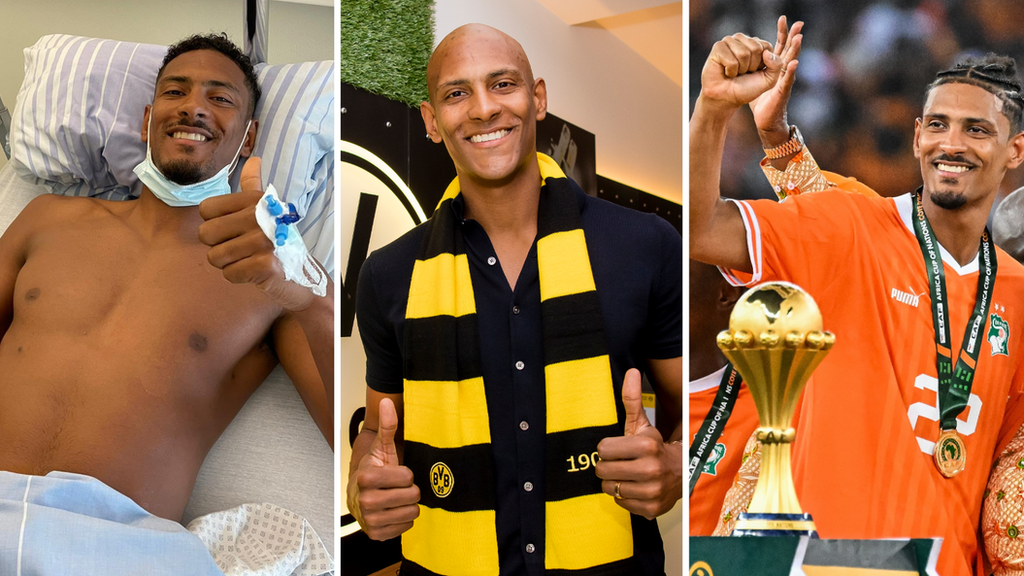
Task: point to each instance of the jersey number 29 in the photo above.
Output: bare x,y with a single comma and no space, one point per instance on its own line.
931,412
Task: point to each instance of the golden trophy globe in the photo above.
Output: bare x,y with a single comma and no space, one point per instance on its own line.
775,341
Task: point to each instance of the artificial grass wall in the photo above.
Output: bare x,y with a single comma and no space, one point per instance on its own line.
385,45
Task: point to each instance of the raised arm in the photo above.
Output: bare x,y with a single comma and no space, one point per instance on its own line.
769,109
738,70
304,335
788,164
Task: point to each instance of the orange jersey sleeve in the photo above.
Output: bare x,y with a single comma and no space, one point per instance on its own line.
849,184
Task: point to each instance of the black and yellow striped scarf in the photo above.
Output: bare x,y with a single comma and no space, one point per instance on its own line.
447,430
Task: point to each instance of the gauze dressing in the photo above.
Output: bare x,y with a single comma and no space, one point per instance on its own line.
290,250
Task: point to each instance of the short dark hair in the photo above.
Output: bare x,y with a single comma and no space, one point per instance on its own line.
218,43
995,74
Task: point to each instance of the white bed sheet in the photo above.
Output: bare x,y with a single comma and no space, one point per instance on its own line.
272,452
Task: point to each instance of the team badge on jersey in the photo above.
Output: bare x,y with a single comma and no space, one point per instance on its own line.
998,335
711,466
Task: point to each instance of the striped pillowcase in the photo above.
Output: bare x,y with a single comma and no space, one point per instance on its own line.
77,123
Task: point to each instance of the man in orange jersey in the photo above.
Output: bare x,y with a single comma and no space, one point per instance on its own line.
909,286
727,477
722,413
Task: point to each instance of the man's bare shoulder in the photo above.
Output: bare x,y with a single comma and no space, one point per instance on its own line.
53,213
50,209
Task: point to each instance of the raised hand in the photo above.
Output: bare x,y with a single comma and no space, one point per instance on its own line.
239,247
741,68
381,493
770,107
643,474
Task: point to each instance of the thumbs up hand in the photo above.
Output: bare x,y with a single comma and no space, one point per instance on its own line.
381,493
639,469
238,245
383,451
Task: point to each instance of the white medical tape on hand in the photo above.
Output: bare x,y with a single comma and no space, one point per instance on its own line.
298,265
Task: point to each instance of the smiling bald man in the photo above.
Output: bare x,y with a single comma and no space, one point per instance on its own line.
504,338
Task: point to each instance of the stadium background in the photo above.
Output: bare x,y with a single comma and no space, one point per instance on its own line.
860,83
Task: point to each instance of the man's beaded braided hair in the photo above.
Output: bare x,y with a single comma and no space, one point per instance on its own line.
995,74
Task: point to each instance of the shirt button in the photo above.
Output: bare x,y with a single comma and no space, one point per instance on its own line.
492,260
515,309
530,548
520,365
528,486
524,425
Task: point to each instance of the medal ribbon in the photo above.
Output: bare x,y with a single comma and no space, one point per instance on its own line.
954,383
714,423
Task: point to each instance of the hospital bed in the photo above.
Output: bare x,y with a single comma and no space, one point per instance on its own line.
74,131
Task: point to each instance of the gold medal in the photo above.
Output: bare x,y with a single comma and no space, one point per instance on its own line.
950,455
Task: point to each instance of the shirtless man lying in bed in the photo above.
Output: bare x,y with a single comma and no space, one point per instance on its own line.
133,332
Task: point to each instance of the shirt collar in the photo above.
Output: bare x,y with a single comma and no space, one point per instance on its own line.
905,207
712,380
458,205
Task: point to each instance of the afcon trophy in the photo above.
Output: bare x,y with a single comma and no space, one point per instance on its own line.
775,341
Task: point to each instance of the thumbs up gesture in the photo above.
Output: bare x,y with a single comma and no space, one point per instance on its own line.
639,469
381,493
238,245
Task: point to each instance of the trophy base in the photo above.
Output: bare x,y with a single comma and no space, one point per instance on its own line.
767,524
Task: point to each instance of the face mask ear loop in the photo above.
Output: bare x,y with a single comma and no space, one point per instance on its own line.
149,130
234,163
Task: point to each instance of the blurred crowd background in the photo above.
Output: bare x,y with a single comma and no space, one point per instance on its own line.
861,79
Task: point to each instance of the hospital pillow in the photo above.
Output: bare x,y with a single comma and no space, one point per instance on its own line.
78,117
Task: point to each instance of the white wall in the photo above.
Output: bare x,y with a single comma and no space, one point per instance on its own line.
298,32
597,82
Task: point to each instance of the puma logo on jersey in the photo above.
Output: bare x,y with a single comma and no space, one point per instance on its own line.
906,297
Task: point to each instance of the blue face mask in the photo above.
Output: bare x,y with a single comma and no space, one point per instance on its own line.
178,195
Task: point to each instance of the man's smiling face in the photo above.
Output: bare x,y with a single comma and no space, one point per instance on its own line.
199,115
964,144
484,104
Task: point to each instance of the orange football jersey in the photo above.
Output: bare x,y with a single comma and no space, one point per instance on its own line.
725,457
862,460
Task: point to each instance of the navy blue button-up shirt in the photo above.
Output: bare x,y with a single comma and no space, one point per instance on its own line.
637,264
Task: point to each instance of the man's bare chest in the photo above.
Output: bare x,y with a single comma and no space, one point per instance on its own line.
109,288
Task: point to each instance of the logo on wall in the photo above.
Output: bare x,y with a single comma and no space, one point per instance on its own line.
377,207
701,569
